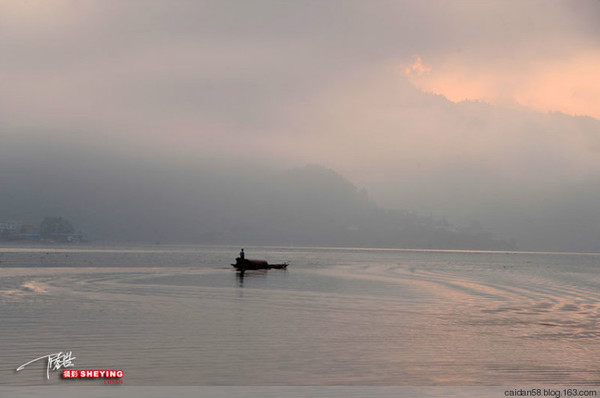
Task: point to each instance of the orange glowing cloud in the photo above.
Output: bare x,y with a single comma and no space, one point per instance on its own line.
417,68
570,85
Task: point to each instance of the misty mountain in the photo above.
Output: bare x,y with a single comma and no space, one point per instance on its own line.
526,176
124,199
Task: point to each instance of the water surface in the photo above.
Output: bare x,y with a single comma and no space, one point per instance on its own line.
180,315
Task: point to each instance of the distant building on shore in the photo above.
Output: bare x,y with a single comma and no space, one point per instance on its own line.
10,227
16,230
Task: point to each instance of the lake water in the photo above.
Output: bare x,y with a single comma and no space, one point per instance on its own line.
181,316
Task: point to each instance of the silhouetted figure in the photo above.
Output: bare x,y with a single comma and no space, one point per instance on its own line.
242,256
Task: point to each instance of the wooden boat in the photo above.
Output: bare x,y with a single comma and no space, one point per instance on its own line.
248,264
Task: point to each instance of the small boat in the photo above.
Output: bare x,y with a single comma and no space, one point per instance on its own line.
245,264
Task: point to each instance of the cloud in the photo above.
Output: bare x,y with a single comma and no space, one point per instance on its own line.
570,85
417,68
296,82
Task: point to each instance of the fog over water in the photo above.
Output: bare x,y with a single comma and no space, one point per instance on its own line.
146,120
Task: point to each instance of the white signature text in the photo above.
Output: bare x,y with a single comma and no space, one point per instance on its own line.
55,362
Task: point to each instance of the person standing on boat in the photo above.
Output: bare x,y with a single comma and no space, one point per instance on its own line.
242,255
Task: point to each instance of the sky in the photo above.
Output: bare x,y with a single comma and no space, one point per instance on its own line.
445,107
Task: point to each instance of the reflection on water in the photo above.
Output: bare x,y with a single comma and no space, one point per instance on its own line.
182,316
